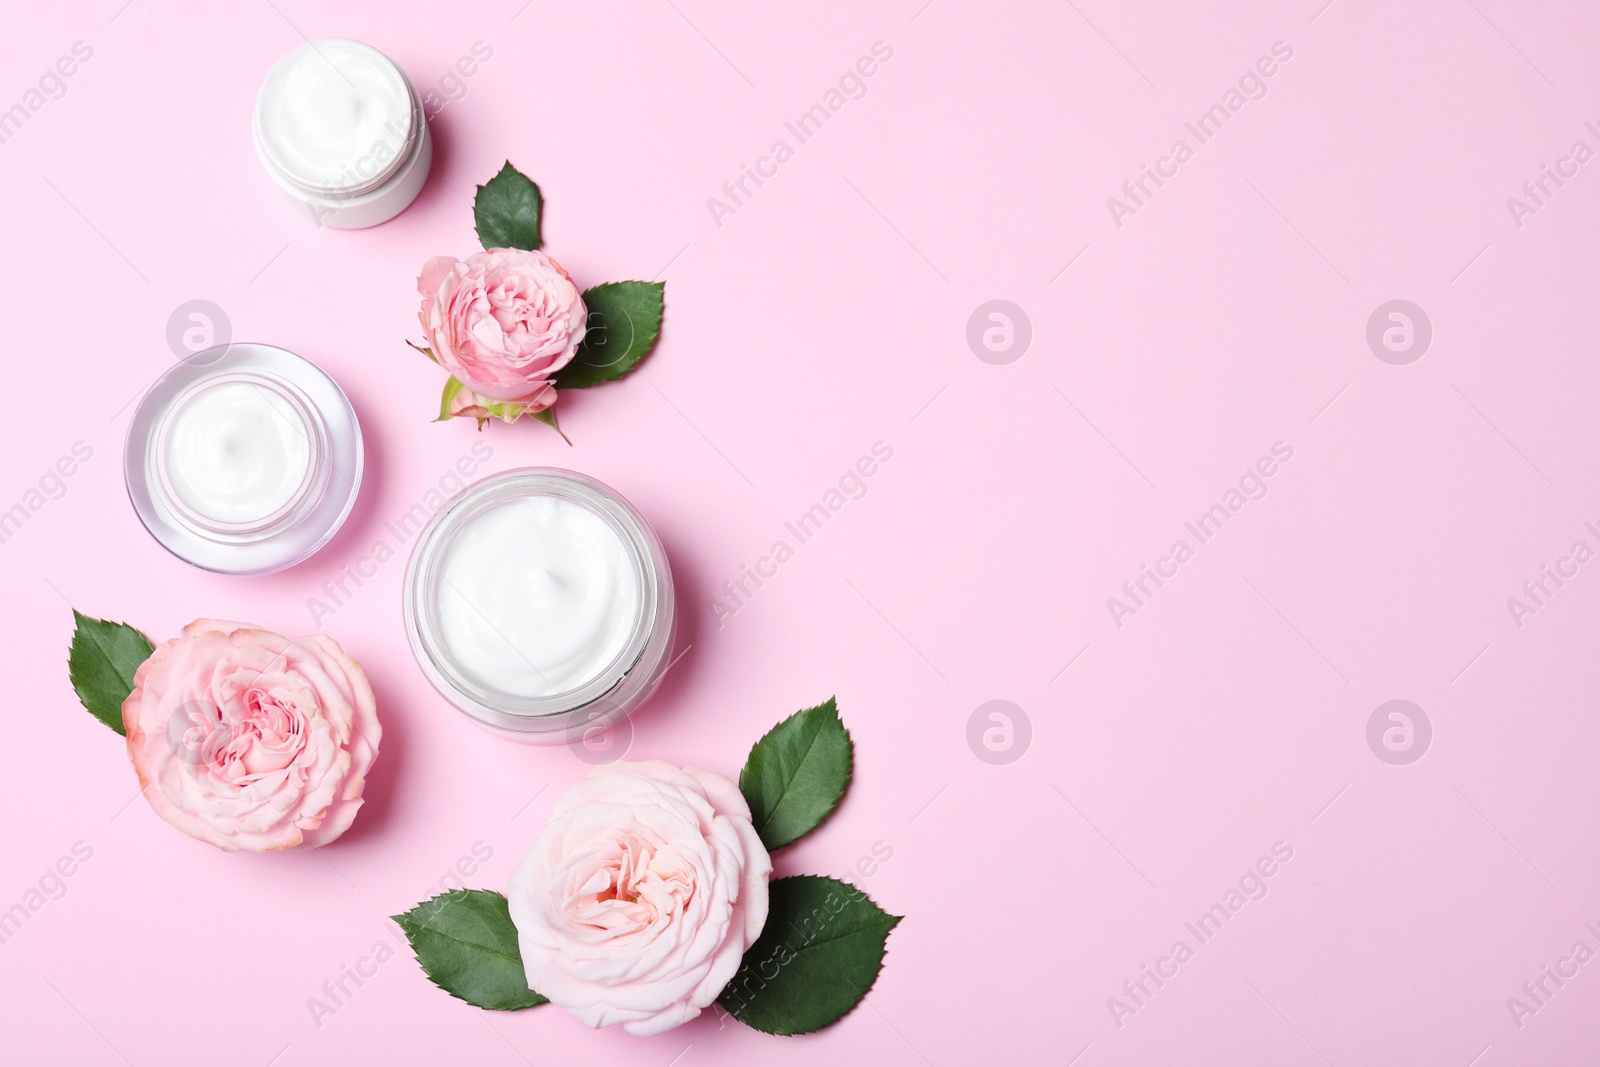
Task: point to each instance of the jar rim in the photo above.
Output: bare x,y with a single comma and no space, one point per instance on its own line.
610,693
312,526
313,482
283,169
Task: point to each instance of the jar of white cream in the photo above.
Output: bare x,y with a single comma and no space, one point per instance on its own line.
540,602
243,459
341,129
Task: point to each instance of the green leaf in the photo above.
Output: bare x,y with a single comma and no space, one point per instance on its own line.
425,351
483,409
452,386
548,417
507,210
102,662
624,321
796,774
816,958
467,945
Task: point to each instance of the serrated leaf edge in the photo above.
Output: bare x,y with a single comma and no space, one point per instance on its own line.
538,194
408,925
406,922
861,994
660,316
849,774
78,619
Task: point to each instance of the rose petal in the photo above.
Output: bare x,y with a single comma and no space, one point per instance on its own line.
641,896
248,740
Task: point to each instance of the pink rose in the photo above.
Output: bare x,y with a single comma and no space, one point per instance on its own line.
502,321
248,740
639,900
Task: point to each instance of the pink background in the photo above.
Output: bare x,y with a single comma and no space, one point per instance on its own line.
827,313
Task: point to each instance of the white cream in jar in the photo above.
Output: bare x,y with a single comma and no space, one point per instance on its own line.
539,595
341,129
243,459
540,602
237,452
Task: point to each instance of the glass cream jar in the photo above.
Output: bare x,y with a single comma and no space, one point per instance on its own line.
341,130
540,603
243,459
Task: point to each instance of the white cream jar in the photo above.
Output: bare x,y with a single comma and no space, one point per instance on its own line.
540,602
340,128
243,459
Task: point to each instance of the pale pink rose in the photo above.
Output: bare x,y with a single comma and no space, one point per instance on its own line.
640,898
248,740
502,321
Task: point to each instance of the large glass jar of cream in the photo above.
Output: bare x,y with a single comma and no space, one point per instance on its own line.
539,602
341,129
243,459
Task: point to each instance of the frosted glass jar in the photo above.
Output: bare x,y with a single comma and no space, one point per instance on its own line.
341,130
539,602
243,459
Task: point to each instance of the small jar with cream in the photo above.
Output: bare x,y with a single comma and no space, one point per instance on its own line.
540,602
243,459
341,130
